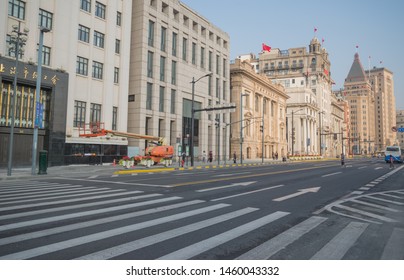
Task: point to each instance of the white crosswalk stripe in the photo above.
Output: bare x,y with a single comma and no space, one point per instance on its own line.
204,245
78,224
147,241
341,243
105,234
274,245
394,247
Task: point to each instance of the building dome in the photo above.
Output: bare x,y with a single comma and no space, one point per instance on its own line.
314,41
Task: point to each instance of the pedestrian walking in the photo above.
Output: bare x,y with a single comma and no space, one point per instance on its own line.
183,159
391,162
234,157
203,156
342,160
210,158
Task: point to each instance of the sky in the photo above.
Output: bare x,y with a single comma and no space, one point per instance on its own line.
372,28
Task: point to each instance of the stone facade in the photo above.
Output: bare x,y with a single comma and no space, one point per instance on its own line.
359,94
306,77
381,80
263,111
89,41
171,46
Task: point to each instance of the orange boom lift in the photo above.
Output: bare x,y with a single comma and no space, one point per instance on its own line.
160,152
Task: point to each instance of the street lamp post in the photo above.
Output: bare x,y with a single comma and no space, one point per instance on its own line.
293,131
18,38
192,115
241,126
263,137
38,102
320,131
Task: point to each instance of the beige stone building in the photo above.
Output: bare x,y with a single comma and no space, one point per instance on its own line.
172,45
260,119
360,96
306,76
381,80
346,127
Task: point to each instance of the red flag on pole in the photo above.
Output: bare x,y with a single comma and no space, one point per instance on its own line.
266,48
315,29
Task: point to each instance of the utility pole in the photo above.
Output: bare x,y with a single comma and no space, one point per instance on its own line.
241,126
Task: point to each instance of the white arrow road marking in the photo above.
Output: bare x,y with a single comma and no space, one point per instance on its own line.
230,174
246,193
331,174
300,192
244,184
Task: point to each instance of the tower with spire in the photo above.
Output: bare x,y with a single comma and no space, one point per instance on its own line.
358,92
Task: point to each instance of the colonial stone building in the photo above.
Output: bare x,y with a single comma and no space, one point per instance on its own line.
381,80
360,96
259,123
306,77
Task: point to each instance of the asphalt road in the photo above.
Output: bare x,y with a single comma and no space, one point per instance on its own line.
312,210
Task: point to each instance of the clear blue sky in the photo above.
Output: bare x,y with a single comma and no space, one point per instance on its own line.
377,28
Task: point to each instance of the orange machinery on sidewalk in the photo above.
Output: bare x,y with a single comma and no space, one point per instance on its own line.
159,152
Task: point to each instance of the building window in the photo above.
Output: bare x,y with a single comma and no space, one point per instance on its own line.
174,73
150,64
161,99
95,113
118,18
85,5
99,39
11,47
114,118
79,113
163,39
210,60
194,53
224,90
117,46
173,96
210,85
45,19
151,34
224,67
162,68
116,75
100,10
16,8
203,57
84,33
149,96
184,48
97,70
46,55
217,64
174,47
217,88
82,66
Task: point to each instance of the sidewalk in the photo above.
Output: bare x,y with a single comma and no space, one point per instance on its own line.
108,168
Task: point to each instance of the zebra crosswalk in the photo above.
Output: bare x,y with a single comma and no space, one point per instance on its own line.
40,220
